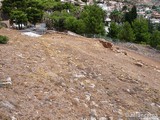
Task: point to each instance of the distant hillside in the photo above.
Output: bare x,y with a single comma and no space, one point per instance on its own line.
147,2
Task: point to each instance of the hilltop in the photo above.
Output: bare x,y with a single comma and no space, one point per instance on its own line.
59,76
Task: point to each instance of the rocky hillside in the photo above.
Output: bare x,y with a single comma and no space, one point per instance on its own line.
64,77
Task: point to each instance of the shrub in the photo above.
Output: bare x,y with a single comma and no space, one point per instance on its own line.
158,47
3,39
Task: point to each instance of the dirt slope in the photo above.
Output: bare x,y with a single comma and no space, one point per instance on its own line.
62,77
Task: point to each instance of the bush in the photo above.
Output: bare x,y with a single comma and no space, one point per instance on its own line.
74,25
158,47
3,39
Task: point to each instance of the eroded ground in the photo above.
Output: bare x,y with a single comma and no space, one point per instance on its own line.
62,77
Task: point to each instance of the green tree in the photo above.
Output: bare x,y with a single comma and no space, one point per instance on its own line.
154,7
34,15
116,16
127,17
155,39
126,33
19,17
10,5
124,8
113,30
93,17
140,27
32,7
77,26
131,15
47,4
58,19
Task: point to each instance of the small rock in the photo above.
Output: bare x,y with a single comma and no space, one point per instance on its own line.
93,118
82,84
20,55
94,104
7,82
139,64
92,86
128,90
158,71
7,104
153,104
121,51
76,101
79,75
63,84
103,118
118,51
9,79
88,97
13,118
125,53
85,105
72,90
93,112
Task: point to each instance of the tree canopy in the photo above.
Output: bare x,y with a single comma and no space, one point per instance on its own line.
22,8
126,33
93,17
140,27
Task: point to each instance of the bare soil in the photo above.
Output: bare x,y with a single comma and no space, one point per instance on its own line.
64,77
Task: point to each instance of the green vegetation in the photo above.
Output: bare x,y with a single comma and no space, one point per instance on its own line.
88,21
93,17
61,16
155,39
131,15
125,26
126,33
3,39
117,16
113,30
21,11
140,32
19,16
140,28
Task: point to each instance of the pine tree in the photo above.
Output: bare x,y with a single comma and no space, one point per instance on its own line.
140,27
155,39
113,30
131,15
126,33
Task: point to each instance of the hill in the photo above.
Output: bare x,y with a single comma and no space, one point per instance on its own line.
59,76
147,2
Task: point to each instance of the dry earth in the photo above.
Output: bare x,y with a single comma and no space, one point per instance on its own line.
63,77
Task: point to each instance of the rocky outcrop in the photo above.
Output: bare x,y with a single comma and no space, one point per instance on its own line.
106,44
